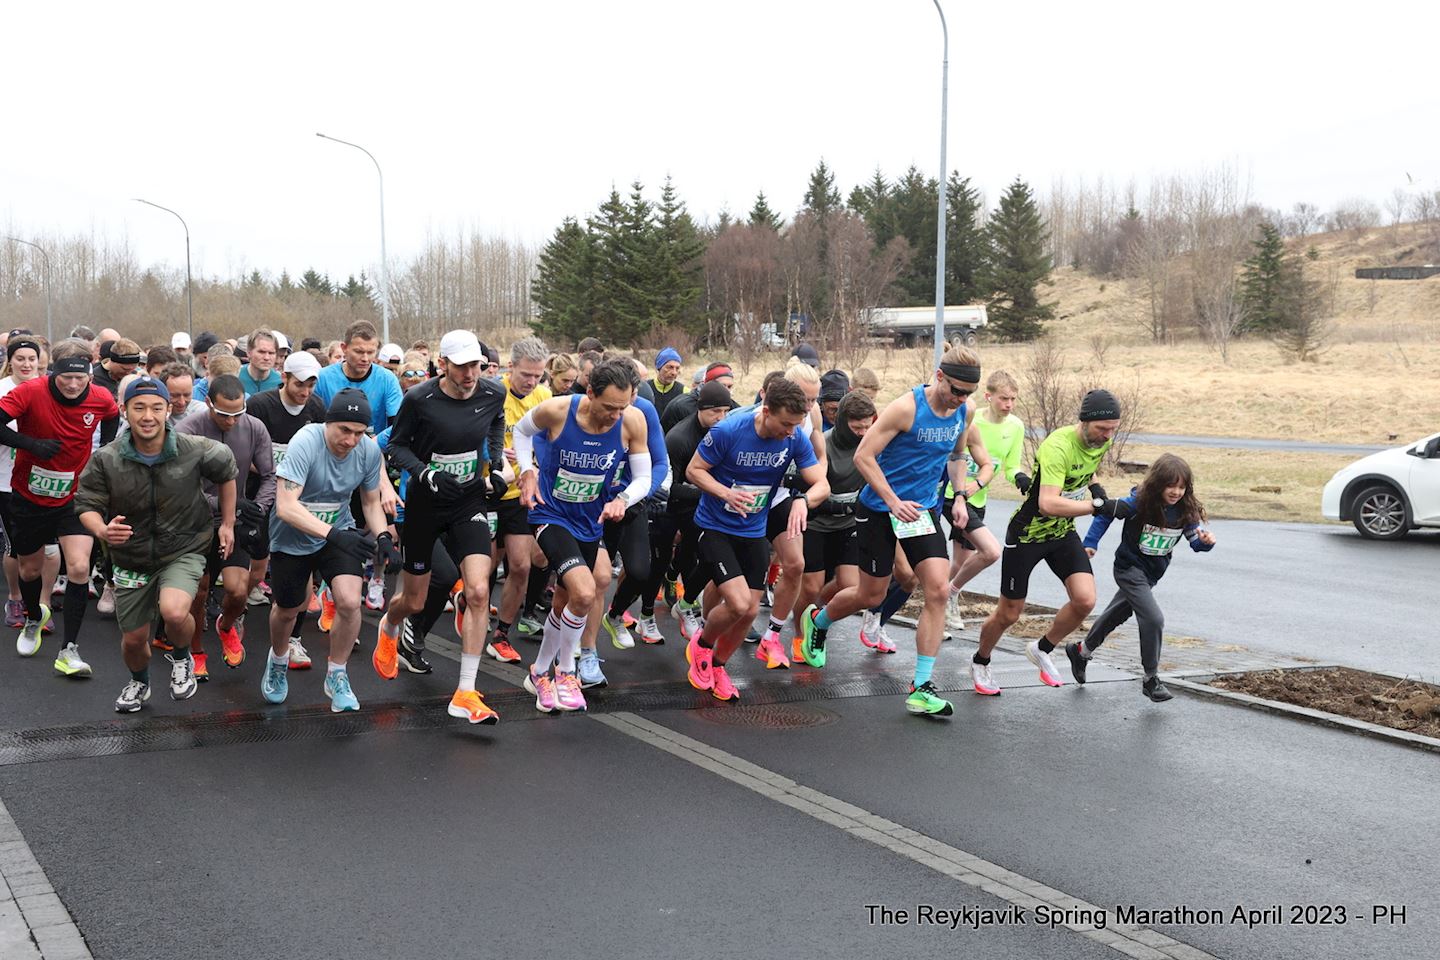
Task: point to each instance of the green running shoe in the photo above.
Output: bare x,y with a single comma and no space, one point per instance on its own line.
529,628
812,639
924,701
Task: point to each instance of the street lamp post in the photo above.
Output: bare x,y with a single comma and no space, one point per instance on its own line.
189,295
49,321
384,288
940,225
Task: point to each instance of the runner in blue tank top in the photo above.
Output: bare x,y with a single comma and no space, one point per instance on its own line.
902,458
568,495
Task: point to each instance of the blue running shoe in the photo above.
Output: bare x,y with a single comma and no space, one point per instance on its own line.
337,688
590,673
275,683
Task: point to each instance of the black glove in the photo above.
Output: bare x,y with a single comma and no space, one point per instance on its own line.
1022,482
1114,509
442,485
357,543
42,449
387,555
498,486
1098,492
250,513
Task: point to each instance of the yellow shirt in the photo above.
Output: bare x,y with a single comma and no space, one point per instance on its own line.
515,408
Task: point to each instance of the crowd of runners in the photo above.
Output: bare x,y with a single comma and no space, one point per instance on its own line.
181,486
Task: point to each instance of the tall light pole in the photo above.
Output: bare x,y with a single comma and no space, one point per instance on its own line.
49,322
384,288
940,224
189,295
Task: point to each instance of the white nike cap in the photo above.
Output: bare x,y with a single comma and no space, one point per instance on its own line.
460,346
180,341
302,365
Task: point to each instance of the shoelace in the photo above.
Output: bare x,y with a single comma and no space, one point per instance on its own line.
340,683
132,690
180,671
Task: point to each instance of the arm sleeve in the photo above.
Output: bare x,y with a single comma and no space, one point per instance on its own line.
1098,525
639,486
1195,543
523,435
659,456
109,427
402,434
495,451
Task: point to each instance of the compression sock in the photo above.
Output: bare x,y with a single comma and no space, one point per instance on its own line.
77,595
30,593
549,644
894,600
924,666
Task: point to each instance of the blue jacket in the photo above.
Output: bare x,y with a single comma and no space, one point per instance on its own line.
1145,546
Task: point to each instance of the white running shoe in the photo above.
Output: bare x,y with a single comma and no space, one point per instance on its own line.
650,631
1048,674
299,659
984,683
105,606
619,634
69,663
61,582
953,619
869,628
375,594
28,641
182,678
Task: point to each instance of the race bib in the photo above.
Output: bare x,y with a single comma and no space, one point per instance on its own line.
574,487
57,484
972,469
1082,494
919,527
278,449
762,496
327,512
130,579
493,519
1158,541
461,466
850,497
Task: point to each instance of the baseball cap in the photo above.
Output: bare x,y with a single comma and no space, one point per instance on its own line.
180,341
391,353
146,386
806,353
460,346
302,365
282,342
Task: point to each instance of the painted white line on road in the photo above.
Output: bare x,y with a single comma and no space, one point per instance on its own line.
34,924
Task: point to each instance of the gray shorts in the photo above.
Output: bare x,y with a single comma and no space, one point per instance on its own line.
137,594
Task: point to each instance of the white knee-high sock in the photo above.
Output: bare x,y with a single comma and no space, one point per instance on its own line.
571,627
550,643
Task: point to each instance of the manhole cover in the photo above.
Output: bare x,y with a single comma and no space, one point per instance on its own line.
778,716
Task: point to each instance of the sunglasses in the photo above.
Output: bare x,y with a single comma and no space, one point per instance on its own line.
413,374
229,416
957,392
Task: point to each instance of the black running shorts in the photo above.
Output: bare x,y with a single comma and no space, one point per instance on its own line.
727,556
512,519
563,551
36,526
975,522
827,552
290,573
877,542
1065,557
467,524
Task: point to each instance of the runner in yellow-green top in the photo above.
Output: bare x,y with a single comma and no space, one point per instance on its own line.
974,547
1043,528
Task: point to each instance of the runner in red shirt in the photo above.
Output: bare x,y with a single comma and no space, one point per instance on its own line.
57,417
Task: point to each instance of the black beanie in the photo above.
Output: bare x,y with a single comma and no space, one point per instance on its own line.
1099,405
349,406
834,384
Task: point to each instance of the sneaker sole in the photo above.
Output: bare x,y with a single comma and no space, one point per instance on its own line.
1044,677
944,711
232,666
185,695
491,652
84,673
489,720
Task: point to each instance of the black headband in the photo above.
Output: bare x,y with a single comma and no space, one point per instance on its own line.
125,358
20,343
72,365
964,372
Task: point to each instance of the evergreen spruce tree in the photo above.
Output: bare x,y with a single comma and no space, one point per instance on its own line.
964,243
254,281
762,216
822,203
313,283
679,275
821,197
285,287
358,291
563,289
1263,283
875,204
1018,263
915,201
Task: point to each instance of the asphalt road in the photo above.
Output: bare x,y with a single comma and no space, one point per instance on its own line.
1315,590
220,824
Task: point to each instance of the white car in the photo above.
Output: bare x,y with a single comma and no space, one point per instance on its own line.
1388,493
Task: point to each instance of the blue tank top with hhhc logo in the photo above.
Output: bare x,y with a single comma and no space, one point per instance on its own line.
913,461
576,470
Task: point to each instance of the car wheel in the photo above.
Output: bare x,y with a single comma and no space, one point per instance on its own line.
971,339
1380,513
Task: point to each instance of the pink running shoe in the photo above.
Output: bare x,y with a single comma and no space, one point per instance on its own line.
701,675
567,692
543,687
771,652
723,689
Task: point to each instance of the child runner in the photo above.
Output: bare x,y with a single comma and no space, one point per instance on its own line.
1165,510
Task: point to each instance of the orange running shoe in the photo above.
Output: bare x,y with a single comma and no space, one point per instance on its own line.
468,705
457,600
386,660
327,611
313,607
202,667
160,643
795,655
233,649
502,651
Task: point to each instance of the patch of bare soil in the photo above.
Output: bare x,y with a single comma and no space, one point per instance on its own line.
1401,704
973,606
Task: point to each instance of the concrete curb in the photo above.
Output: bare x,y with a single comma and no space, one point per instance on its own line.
1196,685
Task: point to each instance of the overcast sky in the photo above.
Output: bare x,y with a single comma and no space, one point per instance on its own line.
507,117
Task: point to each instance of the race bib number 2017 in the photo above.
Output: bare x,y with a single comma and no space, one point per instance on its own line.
56,484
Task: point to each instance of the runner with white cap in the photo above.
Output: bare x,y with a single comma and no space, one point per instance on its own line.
450,437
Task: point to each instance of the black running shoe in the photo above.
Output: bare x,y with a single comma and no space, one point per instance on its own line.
1156,691
412,655
1077,662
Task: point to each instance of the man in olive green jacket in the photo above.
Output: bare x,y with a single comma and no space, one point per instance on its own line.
159,529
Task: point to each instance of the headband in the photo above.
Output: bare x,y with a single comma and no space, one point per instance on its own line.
965,372
20,343
72,365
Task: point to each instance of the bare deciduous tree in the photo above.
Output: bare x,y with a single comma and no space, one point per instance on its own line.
1219,224
744,278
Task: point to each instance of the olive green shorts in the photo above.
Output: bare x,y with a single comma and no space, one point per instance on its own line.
137,594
